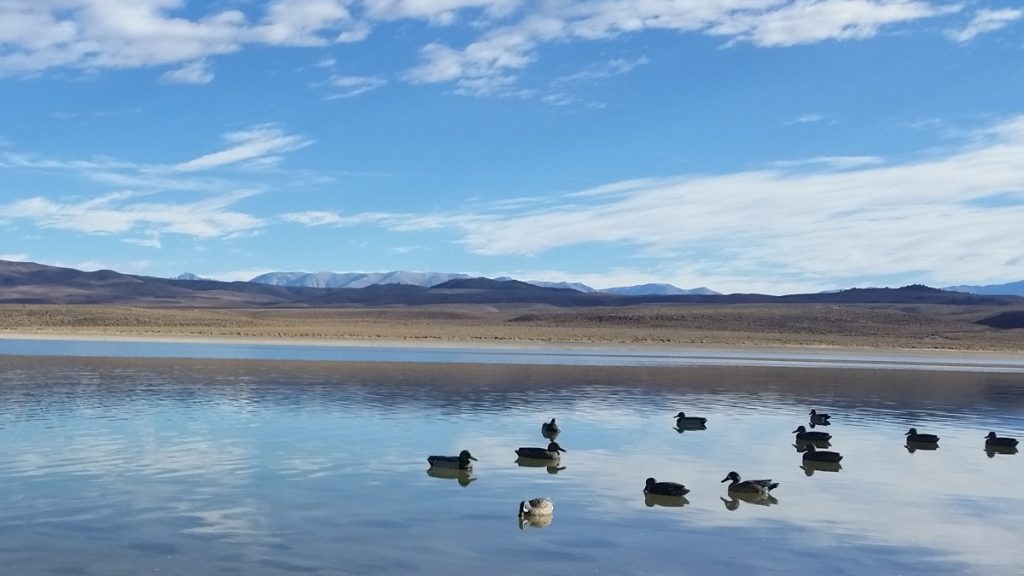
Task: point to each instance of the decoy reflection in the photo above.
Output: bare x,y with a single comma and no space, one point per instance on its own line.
991,451
552,467
681,429
915,446
801,445
753,498
810,467
652,500
463,476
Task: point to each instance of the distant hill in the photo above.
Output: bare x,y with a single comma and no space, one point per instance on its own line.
188,276
1012,288
658,289
353,279
29,283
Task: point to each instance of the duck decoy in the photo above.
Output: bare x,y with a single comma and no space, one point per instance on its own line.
550,430
464,461
913,436
749,486
820,417
463,476
549,453
995,441
812,454
803,434
665,488
690,422
535,513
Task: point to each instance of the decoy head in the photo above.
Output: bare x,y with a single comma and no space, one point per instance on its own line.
991,436
522,508
814,412
911,432
681,415
552,422
731,476
651,482
554,447
800,429
465,455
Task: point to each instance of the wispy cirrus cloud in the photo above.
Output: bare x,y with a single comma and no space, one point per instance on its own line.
253,143
197,72
808,225
984,21
350,86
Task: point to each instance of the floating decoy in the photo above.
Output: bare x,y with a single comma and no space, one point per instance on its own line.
550,429
992,441
549,453
812,454
749,486
536,507
819,418
535,513
463,476
461,462
803,434
913,436
665,488
690,422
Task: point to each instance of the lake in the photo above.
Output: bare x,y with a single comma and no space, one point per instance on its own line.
201,466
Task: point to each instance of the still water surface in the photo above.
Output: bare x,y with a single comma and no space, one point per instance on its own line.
138,466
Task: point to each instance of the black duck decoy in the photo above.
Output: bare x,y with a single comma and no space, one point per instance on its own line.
690,422
819,417
803,434
814,455
464,461
552,452
913,436
665,488
995,441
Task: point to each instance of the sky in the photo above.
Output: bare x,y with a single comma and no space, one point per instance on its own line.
773,146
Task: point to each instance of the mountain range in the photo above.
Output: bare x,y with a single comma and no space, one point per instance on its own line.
30,283
431,279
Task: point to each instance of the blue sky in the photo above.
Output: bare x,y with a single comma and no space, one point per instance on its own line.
774,146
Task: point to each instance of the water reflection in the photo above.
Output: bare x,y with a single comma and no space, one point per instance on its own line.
463,476
126,466
652,500
991,451
926,446
553,467
810,467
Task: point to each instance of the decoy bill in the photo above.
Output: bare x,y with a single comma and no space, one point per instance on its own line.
464,461
749,486
802,434
665,488
552,452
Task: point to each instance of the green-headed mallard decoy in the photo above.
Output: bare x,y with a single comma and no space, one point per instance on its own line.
913,436
684,421
665,488
749,486
812,454
550,429
462,461
803,434
549,453
819,417
995,441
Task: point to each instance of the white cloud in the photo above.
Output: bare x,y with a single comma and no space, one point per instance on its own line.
124,212
944,219
436,11
197,72
986,20
349,86
251,144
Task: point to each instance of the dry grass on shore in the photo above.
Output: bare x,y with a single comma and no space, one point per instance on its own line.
872,326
